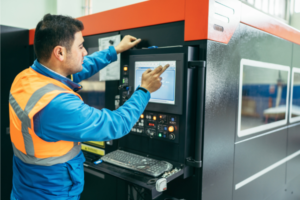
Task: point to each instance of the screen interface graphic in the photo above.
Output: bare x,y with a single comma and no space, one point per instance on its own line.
165,94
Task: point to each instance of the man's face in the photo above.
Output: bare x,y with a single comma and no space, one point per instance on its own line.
74,59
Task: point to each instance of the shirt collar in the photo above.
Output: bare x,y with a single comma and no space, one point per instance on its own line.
52,70
52,74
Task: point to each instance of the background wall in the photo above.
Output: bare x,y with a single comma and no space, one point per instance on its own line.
295,20
26,14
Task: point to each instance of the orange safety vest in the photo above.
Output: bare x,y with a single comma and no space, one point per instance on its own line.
30,93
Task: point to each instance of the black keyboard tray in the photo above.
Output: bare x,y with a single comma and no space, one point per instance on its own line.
130,176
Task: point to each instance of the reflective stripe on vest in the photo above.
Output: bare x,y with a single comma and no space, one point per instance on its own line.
26,123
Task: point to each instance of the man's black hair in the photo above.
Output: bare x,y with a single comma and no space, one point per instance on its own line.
54,30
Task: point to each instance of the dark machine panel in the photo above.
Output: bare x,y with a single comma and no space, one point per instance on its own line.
220,118
268,187
14,58
220,153
159,128
293,165
261,149
253,156
170,34
162,132
102,186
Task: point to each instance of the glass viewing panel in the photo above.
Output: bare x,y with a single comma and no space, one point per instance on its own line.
263,96
295,100
166,94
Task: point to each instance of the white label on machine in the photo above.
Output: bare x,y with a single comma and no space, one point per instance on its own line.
111,71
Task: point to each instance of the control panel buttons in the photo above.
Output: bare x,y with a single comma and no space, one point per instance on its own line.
139,130
158,126
151,133
139,123
162,127
172,120
164,135
151,117
172,136
162,119
151,124
125,70
125,80
171,129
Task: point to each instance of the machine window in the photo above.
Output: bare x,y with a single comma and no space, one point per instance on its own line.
263,96
295,96
166,94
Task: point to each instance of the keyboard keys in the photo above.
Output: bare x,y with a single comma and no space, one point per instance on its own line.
139,163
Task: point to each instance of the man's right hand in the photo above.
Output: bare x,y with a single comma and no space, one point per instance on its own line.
151,80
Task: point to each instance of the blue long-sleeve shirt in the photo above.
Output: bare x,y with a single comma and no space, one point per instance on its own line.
67,118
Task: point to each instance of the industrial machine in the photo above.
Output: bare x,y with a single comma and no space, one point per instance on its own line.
166,130
236,113
227,115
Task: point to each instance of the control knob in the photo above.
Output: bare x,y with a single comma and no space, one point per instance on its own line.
172,136
150,133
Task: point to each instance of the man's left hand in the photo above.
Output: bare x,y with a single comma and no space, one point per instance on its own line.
127,43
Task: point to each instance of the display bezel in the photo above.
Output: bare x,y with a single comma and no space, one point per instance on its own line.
162,107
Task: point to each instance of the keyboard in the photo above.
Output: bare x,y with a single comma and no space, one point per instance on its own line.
138,163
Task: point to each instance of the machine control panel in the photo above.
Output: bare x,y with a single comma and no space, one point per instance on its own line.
157,126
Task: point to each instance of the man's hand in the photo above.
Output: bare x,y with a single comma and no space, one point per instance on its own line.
127,43
151,80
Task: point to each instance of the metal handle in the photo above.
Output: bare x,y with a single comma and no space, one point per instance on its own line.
200,66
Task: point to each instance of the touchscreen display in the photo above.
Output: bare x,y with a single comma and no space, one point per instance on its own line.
165,94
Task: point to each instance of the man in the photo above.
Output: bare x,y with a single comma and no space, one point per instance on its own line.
48,119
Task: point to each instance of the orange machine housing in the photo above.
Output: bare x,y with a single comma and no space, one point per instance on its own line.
199,18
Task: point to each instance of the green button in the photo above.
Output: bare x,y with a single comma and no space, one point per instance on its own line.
123,80
159,135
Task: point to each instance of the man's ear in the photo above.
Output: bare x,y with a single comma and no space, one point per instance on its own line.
59,53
